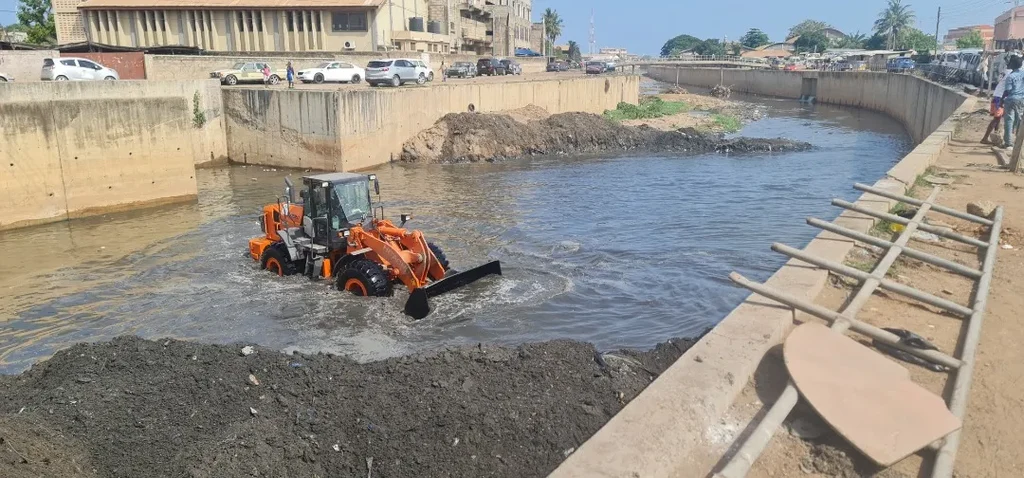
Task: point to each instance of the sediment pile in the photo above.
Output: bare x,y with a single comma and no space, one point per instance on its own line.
471,137
134,407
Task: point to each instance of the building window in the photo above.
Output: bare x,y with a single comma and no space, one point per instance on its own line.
317,20
162,19
348,22
300,21
288,18
240,16
259,20
152,20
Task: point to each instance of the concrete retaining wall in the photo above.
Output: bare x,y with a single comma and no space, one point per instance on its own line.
359,128
183,67
677,427
80,148
919,104
25,65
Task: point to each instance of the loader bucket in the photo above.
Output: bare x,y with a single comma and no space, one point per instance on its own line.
418,305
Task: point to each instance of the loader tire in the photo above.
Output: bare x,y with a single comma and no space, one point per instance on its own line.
364,278
275,259
439,254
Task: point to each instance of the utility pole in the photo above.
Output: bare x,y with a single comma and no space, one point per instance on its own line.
938,16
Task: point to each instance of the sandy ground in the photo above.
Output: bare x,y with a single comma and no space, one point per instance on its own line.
993,433
700,116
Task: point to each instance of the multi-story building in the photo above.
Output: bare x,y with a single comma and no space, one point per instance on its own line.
954,34
466,22
511,25
67,20
264,25
1009,26
538,38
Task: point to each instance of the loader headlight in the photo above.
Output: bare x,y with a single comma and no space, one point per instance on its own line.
345,233
406,218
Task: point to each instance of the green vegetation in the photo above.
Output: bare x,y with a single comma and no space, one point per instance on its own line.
914,39
755,38
711,46
198,115
852,41
972,39
894,20
37,18
574,53
814,42
552,28
649,107
679,44
807,26
725,122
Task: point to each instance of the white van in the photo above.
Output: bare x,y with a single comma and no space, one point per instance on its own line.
75,69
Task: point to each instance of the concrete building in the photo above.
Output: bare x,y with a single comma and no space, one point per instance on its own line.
511,25
264,25
538,38
466,22
619,52
954,34
1009,25
68,22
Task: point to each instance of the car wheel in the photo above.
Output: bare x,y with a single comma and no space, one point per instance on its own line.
3,80
231,80
110,78
319,78
396,81
373,85
356,79
421,79
61,78
430,77
274,79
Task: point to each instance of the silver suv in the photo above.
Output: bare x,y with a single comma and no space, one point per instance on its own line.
397,72
78,69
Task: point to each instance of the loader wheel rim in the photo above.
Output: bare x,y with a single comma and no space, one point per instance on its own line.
356,287
274,266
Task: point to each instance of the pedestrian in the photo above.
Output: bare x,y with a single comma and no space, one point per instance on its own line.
266,76
996,110
291,76
1013,100
444,72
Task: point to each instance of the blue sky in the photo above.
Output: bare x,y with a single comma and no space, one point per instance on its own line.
643,26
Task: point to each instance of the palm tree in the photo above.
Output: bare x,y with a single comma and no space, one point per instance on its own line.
552,27
893,20
855,40
574,52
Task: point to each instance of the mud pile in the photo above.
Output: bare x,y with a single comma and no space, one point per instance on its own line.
471,137
133,407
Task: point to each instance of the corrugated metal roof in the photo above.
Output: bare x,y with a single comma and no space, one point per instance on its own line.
225,4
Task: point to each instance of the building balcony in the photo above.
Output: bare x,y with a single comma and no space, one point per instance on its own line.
473,30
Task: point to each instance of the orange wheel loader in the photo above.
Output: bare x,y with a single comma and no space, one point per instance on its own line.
334,232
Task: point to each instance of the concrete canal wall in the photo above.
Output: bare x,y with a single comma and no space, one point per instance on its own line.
917,103
678,426
355,129
74,149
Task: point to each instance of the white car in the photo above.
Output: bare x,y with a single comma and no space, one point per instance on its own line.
333,71
4,77
77,69
422,67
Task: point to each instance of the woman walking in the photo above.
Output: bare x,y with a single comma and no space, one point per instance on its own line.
291,76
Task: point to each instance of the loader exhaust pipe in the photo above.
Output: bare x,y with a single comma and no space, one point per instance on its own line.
418,305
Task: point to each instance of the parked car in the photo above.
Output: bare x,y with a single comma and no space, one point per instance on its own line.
490,67
4,77
596,67
609,66
394,72
461,69
246,72
512,67
75,69
332,71
558,66
424,68
895,65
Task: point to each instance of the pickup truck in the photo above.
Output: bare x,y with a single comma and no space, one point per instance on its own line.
247,72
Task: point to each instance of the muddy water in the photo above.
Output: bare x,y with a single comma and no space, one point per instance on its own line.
620,251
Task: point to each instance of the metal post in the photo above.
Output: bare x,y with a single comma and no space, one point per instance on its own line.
938,231
917,202
962,380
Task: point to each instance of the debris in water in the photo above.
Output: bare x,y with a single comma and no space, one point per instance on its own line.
248,350
721,91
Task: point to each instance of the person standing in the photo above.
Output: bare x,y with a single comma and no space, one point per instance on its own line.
290,73
1013,100
444,72
995,109
266,75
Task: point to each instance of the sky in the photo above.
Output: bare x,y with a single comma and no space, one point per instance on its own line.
644,26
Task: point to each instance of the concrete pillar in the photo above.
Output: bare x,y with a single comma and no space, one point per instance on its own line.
143,27
295,34
168,32
237,29
124,29
322,33
216,29
310,30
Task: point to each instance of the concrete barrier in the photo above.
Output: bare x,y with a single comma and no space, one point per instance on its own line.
73,149
360,128
25,65
677,427
190,67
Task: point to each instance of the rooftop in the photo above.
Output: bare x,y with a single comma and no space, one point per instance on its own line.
226,4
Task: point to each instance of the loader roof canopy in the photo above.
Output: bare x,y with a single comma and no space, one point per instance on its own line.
339,177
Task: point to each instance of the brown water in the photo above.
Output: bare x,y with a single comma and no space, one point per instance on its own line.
620,251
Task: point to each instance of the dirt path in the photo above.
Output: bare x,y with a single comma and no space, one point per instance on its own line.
993,434
134,407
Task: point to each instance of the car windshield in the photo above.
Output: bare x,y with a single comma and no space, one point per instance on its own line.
353,199
463,64
323,65
378,64
237,66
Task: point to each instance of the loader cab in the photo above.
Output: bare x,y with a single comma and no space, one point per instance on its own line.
334,203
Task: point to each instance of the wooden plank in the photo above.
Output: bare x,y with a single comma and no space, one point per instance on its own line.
868,399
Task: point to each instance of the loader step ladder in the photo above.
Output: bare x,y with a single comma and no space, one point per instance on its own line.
961,368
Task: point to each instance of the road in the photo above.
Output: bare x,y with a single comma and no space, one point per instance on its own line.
436,82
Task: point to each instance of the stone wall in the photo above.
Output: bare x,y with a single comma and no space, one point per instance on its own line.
24,65
354,129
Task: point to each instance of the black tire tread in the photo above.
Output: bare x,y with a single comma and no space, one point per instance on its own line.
279,252
370,274
439,254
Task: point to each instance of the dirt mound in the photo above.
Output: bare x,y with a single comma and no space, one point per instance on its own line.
471,137
168,408
527,113
30,449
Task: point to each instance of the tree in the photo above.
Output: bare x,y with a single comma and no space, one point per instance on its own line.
854,41
814,42
754,38
552,27
711,46
876,42
678,44
737,49
574,52
914,39
36,16
894,19
972,39
807,26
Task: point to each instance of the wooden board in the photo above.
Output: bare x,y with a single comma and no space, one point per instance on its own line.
868,399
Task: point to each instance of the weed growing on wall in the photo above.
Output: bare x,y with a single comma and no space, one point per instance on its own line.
198,115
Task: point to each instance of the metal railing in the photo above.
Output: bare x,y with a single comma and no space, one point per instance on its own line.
961,368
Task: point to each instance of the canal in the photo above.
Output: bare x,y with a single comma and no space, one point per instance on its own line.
619,251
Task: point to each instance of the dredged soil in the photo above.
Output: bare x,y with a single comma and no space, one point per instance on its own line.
134,407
